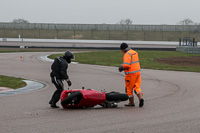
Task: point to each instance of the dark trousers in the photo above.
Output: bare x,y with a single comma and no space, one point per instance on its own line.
60,87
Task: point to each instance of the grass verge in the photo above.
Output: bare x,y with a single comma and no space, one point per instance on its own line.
114,58
11,82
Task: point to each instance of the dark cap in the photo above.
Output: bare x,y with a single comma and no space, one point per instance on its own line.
123,46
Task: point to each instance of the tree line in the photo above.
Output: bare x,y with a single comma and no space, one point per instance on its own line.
127,21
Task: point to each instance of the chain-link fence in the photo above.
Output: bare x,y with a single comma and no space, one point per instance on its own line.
99,31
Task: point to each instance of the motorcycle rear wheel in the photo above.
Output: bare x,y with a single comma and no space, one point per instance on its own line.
74,97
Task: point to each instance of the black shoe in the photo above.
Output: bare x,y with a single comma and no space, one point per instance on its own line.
54,106
50,102
141,102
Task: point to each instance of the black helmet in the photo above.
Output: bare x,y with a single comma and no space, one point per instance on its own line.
68,56
123,46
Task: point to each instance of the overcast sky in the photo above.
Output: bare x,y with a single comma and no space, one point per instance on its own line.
100,11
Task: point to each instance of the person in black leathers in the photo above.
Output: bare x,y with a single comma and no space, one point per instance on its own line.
58,74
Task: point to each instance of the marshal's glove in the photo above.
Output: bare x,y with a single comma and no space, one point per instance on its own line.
121,68
68,82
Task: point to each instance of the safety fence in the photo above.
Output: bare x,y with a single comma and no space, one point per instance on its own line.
50,26
99,31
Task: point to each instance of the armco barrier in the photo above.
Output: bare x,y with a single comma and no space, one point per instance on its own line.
191,50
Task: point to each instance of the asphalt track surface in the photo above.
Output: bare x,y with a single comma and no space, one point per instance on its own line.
172,100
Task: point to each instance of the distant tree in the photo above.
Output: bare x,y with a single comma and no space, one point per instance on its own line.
126,25
20,21
126,21
186,21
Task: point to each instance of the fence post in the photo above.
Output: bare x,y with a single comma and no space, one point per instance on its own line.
92,37
35,29
39,32
108,32
56,31
22,32
162,33
127,32
74,33
4,30
143,31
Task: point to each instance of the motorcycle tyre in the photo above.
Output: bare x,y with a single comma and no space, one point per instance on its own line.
69,98
116,96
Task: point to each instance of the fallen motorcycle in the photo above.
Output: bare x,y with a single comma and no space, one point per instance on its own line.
83,98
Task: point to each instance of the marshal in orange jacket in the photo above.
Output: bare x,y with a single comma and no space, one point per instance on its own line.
132,70
131,63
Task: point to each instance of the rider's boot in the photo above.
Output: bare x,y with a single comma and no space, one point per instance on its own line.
55,99
141,100
131,102
50,102
54,105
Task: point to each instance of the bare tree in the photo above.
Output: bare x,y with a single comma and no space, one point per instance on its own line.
20,21
188,24
126,21
126,25
186,21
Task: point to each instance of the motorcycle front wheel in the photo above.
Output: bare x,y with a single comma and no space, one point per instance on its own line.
116,96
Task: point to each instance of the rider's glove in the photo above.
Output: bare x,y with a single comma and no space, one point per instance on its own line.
68,82
121,68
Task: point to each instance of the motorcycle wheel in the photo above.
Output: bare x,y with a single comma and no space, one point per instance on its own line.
116,96
73,98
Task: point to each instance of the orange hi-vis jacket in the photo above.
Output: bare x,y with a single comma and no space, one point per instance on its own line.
131,63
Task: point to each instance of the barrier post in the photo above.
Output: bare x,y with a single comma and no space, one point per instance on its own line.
193,42
179,41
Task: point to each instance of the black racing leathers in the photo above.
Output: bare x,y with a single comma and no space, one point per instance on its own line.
59,68
58,73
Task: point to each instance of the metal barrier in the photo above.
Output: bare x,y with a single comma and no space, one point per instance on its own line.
51,26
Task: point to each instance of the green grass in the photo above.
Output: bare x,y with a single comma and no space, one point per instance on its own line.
147,61
11,82
114,58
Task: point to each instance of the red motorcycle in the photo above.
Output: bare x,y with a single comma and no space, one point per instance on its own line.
83,98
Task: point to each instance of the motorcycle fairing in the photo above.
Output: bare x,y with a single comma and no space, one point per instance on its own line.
90,98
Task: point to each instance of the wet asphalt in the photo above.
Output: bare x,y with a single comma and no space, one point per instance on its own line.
171,100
